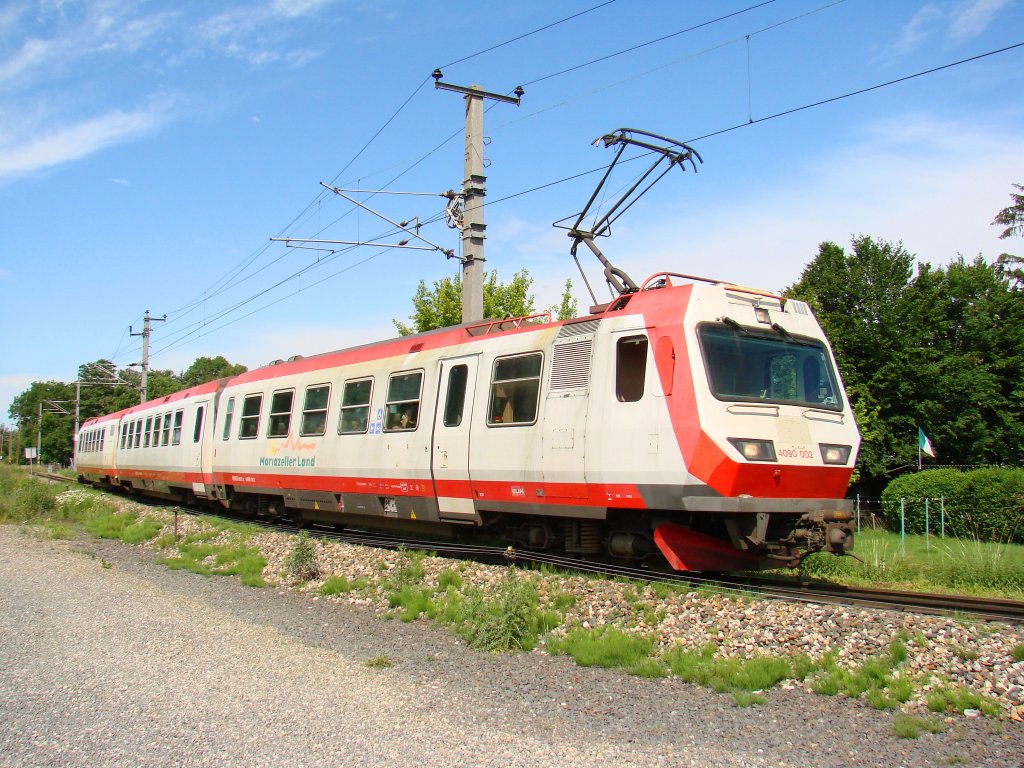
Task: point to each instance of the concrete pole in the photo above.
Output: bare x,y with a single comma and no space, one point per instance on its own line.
473,191
74,435
146,320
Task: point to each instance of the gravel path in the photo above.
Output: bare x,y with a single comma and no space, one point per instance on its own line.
109,659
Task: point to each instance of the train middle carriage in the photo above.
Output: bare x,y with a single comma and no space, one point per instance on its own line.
704,424
161,448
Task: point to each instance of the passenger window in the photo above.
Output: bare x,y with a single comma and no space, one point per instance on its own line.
630,368
198,430
249,424
124,434
228,413
314,410
515,385
156,431
455,400
176,435
138,433
280,413
167,429
402,407
355,407
149,426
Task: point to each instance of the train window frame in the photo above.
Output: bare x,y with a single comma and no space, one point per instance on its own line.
279,420
229,412
354,416
504,392
103,435
317,414
250,422
791,343
179,417
452,418
155,442
131,436
197,430
124,433
165,436
630,370
147,432
401,412
138,433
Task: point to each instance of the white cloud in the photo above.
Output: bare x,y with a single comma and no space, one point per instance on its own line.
916,30
78,140
32,55
972,18
958,23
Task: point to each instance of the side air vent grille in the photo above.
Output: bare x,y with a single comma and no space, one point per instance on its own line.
578,329
797,307
570,364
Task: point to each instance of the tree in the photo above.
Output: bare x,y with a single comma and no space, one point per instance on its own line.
566,309
943,350
206,369
442,306
1012,217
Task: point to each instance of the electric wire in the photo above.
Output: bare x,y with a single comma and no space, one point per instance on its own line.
233,278
749,122
225,282
647,43
526,34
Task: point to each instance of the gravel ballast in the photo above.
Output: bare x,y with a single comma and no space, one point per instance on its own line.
110,659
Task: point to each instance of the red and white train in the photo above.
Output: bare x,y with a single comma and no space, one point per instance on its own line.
694,422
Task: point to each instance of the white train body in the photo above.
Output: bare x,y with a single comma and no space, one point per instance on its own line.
706,420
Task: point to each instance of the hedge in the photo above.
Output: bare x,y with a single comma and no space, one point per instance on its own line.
982,504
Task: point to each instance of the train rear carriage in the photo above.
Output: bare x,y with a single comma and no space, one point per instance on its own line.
163,445
95,457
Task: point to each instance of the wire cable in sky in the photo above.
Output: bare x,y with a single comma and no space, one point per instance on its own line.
766,118
649,42
527,34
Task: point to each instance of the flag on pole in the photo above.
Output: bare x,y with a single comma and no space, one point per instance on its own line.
924,444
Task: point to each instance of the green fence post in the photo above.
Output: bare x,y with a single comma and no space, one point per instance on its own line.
903,526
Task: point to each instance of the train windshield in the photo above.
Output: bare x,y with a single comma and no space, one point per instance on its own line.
753,364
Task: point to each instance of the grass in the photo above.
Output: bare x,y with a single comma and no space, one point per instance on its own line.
877,680
958,699
380,662
731,675
935,565
608,647
1018,652
912,726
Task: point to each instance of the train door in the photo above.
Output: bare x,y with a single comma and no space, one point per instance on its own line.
200,448
452,419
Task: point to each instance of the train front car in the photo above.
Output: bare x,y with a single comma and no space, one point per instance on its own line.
764,429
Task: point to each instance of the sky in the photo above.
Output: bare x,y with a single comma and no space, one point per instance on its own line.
149,151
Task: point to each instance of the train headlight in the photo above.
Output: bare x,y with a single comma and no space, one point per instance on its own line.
754,450
834,454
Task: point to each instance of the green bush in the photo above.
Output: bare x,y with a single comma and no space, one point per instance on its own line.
982,504
301,561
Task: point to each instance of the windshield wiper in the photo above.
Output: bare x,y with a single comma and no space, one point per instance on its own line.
782,332
735,326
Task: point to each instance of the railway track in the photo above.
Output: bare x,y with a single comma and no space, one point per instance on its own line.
771,587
